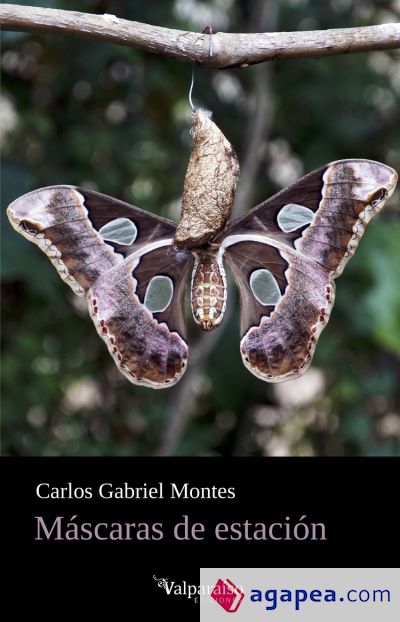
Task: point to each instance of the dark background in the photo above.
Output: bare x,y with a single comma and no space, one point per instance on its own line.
116,119
352,496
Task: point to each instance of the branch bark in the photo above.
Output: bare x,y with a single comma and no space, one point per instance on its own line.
229,50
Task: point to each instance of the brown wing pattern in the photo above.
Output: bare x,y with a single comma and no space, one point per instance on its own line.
149,347
121,258
64,221
314,227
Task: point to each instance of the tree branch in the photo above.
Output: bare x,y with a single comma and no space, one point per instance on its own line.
229,50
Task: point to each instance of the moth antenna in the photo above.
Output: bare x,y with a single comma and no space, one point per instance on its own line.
191,90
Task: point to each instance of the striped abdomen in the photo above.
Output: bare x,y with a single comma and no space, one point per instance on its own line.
208,295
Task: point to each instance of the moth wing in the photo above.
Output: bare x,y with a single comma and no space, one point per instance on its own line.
84,233
286,253
121,258
138,309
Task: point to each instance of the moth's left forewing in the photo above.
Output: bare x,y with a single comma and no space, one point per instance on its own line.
286,253
84,233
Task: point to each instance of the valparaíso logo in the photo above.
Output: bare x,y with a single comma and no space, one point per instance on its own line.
179,589
227,595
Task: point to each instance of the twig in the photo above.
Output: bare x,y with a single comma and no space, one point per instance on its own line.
229,50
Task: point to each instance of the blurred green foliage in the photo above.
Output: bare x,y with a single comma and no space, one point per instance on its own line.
116,119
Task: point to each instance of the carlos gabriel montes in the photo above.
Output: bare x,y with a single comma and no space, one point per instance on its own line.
108,490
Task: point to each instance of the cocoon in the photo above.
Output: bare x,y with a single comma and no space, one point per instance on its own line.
210,184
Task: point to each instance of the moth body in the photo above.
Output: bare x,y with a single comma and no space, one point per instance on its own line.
208,291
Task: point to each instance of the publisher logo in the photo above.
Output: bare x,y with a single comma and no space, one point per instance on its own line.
227,595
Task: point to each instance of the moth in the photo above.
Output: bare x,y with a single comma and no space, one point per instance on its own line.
285,254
